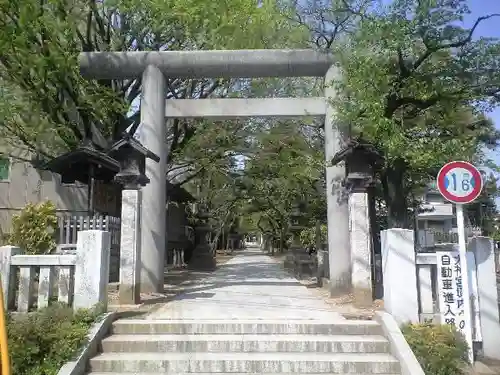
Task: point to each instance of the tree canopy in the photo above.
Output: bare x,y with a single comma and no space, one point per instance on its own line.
42,75
416,82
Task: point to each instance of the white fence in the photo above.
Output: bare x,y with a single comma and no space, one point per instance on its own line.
411,293
79,279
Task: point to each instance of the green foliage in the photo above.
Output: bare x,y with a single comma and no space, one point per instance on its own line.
33,228
282,171
415,83
308,236
42,72
440,349
225,24
42,341
45,103
482,213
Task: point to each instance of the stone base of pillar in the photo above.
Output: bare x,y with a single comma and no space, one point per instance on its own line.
340,285
321,255
129,294
363,297
202,259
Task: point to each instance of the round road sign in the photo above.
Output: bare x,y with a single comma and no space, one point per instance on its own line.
459,182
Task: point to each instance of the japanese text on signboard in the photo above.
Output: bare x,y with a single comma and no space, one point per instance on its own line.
450,289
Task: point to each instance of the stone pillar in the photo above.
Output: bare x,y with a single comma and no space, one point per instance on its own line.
399,274
9,278
92,269
484,252
322,261
130,247
153,210
339,251
360,239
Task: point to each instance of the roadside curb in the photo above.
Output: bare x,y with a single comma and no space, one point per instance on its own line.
96,333
399,347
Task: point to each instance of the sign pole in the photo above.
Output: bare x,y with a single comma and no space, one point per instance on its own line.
460,183
462,250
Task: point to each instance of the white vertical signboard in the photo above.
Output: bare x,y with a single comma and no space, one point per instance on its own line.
460,183
451,293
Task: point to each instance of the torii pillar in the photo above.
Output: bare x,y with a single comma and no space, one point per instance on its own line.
339,249
152,66
153,135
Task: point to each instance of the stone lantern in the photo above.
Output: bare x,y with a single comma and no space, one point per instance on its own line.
203,258
298,258
131,155
362,161
296,226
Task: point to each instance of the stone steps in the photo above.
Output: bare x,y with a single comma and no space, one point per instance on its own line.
245,343
260,327
221,373
301,363
148,347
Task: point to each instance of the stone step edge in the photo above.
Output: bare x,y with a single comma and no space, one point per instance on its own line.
340,322
217,373
250,356
248,337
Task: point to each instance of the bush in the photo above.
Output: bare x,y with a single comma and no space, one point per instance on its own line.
33,229
440,349
42,341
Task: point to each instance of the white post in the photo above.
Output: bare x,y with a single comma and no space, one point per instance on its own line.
92,269
484,251
154,210
424,274
130,247
399,274
462,250
339,251
8,277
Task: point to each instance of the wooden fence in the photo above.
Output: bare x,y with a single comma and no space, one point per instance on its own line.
69,225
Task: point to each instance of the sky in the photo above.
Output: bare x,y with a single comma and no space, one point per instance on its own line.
489,28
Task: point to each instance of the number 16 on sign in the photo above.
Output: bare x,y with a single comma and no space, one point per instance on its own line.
460,183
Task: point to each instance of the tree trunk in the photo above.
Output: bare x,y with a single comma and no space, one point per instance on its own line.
394,195
281,242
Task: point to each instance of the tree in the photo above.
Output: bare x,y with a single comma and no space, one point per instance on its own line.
41,71
483,212
415,83
210,158
282,172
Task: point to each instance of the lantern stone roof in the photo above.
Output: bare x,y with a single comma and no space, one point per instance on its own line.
361,147
129,141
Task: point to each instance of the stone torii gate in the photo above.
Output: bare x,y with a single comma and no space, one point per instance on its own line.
153,67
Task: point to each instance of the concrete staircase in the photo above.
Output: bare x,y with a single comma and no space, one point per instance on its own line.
148,347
